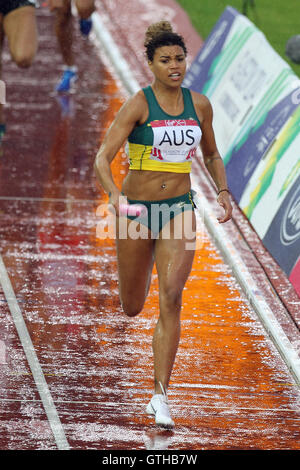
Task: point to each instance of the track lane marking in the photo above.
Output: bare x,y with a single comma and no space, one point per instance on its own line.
37,372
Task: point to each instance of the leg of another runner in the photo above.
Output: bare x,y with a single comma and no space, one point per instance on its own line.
64,32
64,35
21,30
85,9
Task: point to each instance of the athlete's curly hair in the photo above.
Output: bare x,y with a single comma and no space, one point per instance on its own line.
161,34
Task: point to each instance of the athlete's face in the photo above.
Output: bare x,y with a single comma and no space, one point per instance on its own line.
169,65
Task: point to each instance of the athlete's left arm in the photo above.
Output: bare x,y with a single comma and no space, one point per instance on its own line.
211,156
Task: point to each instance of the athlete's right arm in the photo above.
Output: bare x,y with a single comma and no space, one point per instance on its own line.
130,114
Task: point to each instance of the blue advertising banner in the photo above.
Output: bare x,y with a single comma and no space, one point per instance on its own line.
203,67
256,103
246,154
273,177
283,236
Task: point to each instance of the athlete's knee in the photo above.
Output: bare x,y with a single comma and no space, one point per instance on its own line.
171,297
131,308
23,60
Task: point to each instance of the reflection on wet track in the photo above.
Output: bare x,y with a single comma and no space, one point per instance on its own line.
230,388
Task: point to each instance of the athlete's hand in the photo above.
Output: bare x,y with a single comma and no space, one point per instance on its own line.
115,200
224,201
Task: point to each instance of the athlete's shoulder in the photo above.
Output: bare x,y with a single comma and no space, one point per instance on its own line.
140,98
137,101
135,106
140,106
200,100
202,105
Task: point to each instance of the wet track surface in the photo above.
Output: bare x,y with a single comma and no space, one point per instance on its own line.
230,389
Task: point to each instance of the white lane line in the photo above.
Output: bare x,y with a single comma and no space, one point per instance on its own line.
32,359
53,256
46,199
266,316
112,51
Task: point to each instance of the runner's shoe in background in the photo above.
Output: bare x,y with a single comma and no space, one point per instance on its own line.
85,26
2,131
68,79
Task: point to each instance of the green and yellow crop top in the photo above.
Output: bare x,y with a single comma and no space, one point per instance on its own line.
165,142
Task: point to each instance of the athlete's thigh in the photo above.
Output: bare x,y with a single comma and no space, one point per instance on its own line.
135,259
174,252
21,31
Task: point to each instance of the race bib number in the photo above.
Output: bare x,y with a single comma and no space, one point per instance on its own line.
175,140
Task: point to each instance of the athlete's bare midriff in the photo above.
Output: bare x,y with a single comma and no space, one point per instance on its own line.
155,185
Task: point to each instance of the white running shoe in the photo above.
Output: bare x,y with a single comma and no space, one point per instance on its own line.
159,407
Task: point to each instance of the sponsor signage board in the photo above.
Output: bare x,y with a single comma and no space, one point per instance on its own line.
256,103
